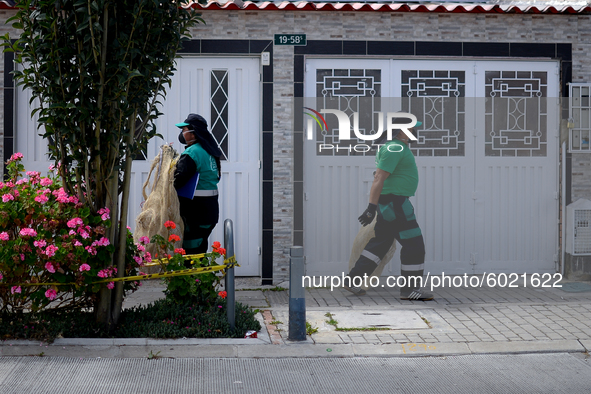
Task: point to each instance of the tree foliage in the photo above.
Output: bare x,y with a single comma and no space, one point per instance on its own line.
97,70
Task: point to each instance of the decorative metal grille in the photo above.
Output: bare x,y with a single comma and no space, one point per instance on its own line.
219,109
350,91
436,98
582,237
516,113
580,118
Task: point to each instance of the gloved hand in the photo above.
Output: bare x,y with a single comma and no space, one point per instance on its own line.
368,215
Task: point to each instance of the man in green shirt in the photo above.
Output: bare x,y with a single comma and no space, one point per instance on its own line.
396,179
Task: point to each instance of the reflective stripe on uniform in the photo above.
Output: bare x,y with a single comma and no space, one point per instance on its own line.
371,256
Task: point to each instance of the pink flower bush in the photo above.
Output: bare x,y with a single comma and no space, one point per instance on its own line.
144,240
49,236
110,285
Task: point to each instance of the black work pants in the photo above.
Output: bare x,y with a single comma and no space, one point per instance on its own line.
396,220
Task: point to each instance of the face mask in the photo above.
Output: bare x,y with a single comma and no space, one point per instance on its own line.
182,138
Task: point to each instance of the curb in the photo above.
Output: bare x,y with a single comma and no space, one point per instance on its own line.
253,348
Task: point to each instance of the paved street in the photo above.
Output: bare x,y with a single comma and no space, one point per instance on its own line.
538,373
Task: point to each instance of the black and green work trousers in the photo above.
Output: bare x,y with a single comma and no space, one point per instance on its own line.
200,216
396,220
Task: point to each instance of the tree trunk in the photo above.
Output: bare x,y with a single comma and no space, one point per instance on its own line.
117,302
102,309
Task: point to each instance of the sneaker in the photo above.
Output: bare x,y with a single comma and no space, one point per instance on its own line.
355,290
417,295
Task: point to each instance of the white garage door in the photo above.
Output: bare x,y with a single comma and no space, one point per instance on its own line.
226,92
487,159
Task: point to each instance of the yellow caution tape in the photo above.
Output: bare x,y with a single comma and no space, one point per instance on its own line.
229,263
191,257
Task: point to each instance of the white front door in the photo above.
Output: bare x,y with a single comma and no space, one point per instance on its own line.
456,206
226,92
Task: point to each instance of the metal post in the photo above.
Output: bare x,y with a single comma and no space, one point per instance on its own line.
231,295
297,295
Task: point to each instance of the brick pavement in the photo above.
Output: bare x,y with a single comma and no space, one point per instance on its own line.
457,315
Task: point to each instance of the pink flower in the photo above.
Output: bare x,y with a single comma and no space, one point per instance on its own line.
50,251
22,256
84,267
28,232
7,197
104,212
46,182
110,285
106,273
41,199
84,234
144,240
147,257
4,236
15,289
74,222
1,277
21,181
77,243
138,260
49,267
16,156
103,242
51,294
141,248
40,244
91,250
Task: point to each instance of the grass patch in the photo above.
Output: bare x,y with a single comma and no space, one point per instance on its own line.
331,320
161,319
426,322
276,288
310,329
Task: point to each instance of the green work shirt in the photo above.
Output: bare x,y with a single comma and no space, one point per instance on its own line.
206,167
396,158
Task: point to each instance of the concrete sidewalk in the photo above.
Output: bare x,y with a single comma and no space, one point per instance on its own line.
460,321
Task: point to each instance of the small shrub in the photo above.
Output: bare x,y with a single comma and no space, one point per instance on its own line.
53,249
199,289
163,319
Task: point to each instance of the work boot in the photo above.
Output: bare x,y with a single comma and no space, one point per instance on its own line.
416,295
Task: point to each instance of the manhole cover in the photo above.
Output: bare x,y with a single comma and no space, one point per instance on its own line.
396,320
